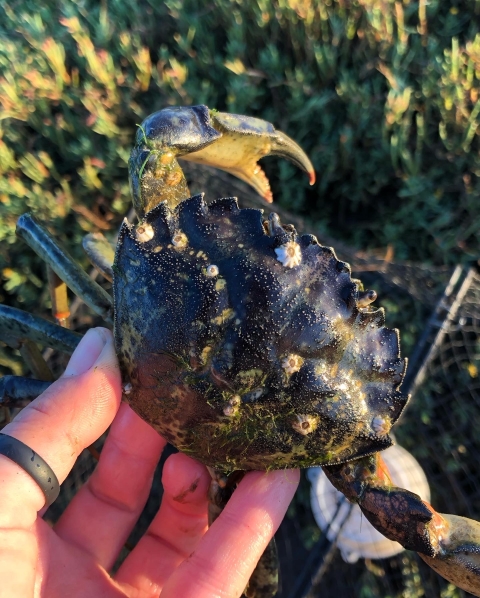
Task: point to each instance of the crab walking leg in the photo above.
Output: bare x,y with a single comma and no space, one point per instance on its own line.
263,582
67,269
17,391
449,544
17,325
100,253
458,559
22,330
230,142
220,490
34,359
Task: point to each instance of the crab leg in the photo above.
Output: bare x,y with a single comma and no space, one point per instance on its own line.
263,582
449,544
231,142
17,325
244,141
64,266
34,359
22,330
16,391
100,253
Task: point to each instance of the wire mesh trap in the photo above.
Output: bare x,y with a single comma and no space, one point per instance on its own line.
438,427
438,313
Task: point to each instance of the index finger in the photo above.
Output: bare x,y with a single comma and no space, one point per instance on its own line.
228,553
64,420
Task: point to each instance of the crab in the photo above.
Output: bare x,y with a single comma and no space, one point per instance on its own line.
246,345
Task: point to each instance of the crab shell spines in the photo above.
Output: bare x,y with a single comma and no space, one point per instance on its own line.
262,365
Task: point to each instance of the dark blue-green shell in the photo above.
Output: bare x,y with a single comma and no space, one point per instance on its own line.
205,355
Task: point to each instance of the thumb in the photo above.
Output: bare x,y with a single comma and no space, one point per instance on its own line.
72,413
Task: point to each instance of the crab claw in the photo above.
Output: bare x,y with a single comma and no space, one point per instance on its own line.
449,544
245,140
458,556
233,143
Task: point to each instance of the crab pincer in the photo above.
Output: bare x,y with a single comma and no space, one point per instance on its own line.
448,543
230,142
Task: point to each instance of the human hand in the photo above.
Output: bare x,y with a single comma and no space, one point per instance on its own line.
177,557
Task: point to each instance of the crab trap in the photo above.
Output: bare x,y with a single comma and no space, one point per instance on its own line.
437,452
326,547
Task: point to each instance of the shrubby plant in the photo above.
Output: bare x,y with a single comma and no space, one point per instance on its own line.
383,95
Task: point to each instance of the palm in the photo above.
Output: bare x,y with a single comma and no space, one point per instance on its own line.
175,557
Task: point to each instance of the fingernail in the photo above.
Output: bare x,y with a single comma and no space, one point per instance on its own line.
86,353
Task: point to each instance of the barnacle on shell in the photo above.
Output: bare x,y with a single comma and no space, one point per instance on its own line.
239,357
212,271
144,232
381,425
290,254
231,408
292,363
180,239
305,424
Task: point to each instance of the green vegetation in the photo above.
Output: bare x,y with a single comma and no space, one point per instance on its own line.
383,95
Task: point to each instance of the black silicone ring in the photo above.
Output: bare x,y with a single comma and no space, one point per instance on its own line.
33,464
